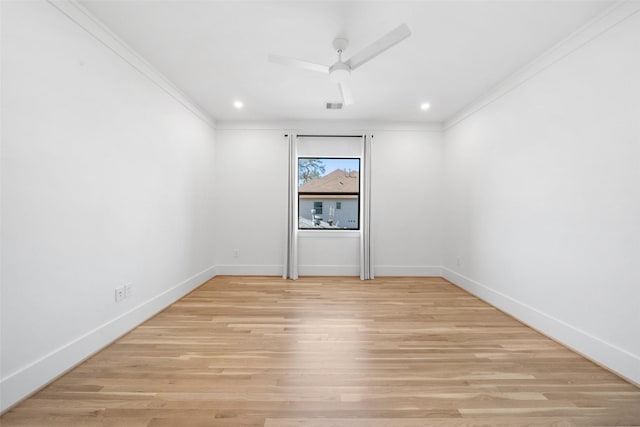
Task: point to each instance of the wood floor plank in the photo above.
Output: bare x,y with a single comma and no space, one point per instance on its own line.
339,352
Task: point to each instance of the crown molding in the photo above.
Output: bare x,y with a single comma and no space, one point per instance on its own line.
84,19
329,126
593,29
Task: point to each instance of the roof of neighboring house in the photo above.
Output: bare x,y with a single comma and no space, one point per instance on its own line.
338,181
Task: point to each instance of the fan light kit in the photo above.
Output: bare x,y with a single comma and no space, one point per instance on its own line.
340,72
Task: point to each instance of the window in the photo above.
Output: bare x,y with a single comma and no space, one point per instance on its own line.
328,193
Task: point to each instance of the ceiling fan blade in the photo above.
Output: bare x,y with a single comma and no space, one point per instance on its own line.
376,48
345,90
277,59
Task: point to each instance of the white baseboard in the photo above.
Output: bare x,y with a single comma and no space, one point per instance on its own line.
407,271
329,270
618,360
249,270
22,383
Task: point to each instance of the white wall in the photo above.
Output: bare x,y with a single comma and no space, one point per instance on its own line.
406,202
251,169
251,172
107,179
543,200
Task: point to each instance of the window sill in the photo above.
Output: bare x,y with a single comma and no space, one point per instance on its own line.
328,233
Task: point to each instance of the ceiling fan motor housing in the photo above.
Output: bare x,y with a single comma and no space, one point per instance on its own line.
339,72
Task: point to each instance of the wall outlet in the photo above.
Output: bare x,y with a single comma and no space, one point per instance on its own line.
120,293
236,253
123,292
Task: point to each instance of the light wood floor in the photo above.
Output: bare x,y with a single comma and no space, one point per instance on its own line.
401,352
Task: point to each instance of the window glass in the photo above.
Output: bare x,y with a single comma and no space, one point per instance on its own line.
328,193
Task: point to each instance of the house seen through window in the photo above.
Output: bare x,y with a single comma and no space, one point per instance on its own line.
328,193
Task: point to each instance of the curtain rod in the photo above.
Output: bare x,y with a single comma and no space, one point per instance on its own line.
327,136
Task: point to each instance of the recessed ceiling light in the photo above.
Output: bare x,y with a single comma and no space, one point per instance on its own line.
425,106
238,104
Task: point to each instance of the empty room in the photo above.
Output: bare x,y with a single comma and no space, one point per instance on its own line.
319,213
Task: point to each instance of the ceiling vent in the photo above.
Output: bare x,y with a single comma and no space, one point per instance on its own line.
334,105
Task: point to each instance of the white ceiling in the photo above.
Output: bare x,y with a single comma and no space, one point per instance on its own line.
216,51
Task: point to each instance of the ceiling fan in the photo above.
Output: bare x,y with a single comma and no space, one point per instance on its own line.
341,70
